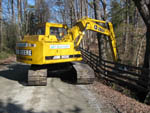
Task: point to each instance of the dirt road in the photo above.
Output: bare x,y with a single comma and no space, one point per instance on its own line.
56,97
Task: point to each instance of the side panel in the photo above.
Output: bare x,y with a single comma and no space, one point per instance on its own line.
61,49
36,53
43,51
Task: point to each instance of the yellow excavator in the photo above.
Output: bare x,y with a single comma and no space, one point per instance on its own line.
52,44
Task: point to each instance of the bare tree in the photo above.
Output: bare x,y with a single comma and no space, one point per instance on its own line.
98,16
42,10
126,34
72,12
19,7
97,9
1,38
144,9
25,5
104,9
101,42
12,11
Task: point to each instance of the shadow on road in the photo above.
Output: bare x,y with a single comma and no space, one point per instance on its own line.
11,106
16,72
66,72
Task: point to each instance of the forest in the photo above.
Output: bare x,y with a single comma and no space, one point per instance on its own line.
19,17
130,19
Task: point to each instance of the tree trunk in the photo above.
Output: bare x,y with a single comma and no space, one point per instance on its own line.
97,16
126,51
104,9
104,38
144,9
19,17
97,9
83,12
72,12
86,7
138,53
101,40
25,3
147,52
1,38
12,11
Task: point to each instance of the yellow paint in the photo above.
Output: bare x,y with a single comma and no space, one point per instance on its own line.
66,46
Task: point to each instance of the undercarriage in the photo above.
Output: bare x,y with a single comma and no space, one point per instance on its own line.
76,72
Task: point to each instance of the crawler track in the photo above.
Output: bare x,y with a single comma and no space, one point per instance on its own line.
77,72
37,76
85,74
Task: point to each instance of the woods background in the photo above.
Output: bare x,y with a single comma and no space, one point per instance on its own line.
18,17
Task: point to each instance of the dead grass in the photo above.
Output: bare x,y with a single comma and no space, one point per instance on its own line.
119,101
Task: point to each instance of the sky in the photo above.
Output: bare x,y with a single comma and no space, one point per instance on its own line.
6,14
31,2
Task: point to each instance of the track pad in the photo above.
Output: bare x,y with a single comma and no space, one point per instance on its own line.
85,74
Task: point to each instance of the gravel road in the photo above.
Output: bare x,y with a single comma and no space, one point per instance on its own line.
56,97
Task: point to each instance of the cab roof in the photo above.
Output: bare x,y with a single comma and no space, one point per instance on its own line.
48,24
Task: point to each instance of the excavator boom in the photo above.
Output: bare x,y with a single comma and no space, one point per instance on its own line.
78,31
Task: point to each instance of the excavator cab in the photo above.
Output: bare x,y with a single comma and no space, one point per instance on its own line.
58,32
54,31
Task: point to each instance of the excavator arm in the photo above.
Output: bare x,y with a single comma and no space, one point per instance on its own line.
77,32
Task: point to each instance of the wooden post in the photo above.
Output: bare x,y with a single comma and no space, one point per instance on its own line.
99,47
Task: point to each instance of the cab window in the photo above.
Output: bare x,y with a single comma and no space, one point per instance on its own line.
58,32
